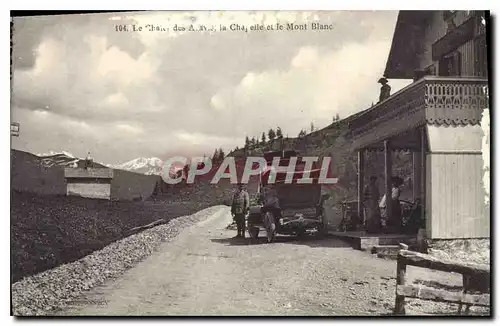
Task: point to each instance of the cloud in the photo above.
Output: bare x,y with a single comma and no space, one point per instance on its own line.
125,94
316,86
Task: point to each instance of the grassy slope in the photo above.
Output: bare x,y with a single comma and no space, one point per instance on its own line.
47,231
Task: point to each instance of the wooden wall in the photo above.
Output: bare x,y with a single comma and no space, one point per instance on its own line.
455,197
455,194
89,190
435,30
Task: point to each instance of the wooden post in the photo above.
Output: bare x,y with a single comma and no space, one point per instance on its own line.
388,179
399,307
423,180
361,177
416,175
466,286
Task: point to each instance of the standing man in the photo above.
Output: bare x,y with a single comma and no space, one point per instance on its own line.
88,161
371,196
239,207
385,90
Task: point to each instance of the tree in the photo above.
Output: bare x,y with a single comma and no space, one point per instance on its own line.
222,155
263,138
337,117
279,133
302,133
215,157
247,142
254,142
271,134
312,126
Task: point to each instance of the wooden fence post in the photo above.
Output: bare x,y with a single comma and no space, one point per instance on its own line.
399,308
475,279
466,285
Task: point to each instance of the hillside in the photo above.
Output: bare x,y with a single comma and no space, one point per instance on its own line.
50,230
332,141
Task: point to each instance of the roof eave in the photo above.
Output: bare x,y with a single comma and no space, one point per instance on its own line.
403,55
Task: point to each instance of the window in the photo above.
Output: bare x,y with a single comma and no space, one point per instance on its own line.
450,65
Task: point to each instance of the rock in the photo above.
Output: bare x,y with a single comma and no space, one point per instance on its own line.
360,283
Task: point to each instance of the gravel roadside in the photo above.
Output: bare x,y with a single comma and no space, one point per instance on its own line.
49,291
194,266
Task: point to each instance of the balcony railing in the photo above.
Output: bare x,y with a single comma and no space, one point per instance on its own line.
455,100
431,100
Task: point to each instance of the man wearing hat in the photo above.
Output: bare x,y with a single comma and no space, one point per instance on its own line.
385,90
239,207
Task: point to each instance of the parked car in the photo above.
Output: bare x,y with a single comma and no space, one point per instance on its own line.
301,204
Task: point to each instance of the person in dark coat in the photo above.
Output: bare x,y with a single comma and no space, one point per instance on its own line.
239,206
385,90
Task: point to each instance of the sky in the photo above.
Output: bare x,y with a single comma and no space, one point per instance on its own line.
81,85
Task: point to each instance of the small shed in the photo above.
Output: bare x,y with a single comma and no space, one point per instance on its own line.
107,183
90,183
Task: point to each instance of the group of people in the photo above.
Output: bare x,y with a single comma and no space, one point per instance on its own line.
376,212
240,205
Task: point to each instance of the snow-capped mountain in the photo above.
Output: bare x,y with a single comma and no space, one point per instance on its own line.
62,158
52,153
58,158
145,165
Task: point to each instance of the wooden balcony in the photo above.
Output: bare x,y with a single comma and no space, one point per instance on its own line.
431,100
462,34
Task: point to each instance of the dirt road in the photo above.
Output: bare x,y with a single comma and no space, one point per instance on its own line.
205,272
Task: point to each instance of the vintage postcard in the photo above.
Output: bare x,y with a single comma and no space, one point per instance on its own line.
250,163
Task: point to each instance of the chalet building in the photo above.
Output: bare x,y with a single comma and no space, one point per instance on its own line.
437,118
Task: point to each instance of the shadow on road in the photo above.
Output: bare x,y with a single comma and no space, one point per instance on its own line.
308,240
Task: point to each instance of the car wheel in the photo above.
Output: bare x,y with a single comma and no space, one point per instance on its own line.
253,231
301,233
322,231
